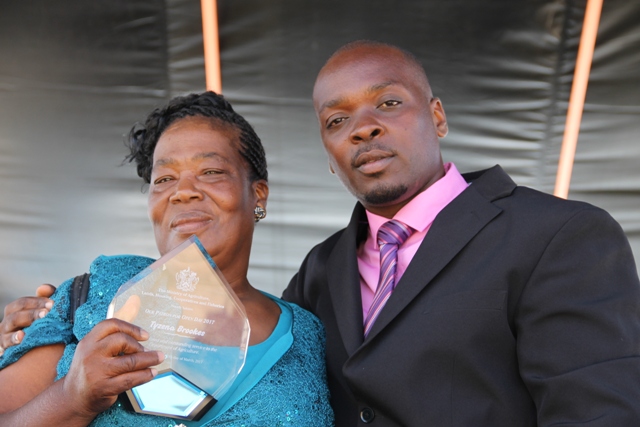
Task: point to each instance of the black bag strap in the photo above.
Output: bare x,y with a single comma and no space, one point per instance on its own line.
79,292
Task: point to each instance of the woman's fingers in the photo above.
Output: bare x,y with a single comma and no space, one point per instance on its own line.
114,326
108,361
141,363
110,388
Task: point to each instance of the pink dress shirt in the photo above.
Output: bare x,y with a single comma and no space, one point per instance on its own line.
418,214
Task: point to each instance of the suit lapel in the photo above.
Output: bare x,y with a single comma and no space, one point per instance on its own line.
344,282
450,232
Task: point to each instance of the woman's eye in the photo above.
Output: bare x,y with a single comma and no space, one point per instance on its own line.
161,180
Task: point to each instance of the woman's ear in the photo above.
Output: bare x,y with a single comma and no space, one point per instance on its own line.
261,191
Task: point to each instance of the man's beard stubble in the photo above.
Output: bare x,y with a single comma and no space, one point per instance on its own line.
384,195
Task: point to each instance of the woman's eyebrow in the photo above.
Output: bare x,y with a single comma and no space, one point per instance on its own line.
210,155
168,161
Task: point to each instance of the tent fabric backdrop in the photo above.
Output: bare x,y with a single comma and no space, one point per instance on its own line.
74,78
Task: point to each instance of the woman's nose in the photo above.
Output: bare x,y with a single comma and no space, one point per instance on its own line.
186,190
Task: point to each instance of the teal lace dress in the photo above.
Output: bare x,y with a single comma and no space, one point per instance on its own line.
282,384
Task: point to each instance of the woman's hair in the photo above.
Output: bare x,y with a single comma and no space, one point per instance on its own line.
142,138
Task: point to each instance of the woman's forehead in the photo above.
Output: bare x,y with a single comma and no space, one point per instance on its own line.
197,138
204,123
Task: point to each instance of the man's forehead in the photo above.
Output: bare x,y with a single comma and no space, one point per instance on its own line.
361,77
367,68
363,57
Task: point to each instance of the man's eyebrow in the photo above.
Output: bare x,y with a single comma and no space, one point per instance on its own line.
332,103
371,89
379,86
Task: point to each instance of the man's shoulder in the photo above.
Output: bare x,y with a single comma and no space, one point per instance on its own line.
347,237
312,275
497,187
325,247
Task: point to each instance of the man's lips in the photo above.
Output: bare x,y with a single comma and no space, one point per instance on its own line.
189,222
372,161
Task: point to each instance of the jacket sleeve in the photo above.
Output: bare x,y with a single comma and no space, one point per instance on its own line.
578,326
295,291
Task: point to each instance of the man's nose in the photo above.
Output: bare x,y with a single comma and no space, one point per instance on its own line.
365,130
187,189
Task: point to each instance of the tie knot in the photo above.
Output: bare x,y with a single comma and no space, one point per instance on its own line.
393,232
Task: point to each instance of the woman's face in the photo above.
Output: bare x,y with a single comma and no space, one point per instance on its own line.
200,185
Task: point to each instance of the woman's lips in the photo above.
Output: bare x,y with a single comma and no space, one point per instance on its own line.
190,222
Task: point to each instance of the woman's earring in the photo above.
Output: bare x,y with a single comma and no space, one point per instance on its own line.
259,213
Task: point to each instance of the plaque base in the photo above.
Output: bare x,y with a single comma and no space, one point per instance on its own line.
169,394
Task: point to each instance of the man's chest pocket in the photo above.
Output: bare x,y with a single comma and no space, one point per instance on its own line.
477,299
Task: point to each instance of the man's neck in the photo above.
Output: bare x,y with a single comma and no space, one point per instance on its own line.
391,209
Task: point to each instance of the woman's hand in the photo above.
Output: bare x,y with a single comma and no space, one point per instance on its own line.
107,362
23,312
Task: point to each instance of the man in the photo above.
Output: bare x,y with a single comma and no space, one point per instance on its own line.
512,307
500,305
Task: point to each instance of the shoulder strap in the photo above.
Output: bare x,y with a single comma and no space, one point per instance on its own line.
79,292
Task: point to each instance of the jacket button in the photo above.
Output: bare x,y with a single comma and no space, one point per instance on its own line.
367,415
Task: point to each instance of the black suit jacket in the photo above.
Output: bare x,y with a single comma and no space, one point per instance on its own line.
518,309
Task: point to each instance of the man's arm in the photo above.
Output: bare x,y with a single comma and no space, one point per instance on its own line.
293,292
22,313
296,292
578,326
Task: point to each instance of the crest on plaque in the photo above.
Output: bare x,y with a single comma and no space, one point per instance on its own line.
186,280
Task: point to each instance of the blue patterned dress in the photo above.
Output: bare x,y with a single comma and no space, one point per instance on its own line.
285,387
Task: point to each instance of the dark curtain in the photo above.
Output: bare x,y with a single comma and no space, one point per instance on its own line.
75,76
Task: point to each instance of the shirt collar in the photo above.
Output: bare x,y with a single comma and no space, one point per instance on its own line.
420,212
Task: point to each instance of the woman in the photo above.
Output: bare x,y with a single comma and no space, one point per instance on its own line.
207,176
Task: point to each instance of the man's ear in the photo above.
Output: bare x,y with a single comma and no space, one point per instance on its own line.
439,117
331,169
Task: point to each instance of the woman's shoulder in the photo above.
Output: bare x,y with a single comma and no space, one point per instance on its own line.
57,327
307,349
119,264
108,273
304,321
293,391
306,328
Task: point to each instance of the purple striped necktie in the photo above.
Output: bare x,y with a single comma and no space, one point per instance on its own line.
391,235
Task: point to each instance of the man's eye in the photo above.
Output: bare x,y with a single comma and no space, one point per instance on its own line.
212,172
336,122
390,103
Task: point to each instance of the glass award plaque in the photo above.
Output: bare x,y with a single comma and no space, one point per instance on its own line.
193,317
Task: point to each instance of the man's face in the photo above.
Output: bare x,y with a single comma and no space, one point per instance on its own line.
380,126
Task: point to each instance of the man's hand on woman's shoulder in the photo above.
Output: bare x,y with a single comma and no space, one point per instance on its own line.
23,312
